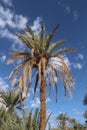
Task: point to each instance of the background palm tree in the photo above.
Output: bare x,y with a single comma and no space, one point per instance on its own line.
11,99
44,59
10,121
61,119
85,113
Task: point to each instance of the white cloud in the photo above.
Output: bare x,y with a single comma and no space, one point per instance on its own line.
9,21
74,65
2,58
3,85
36,27
76,15
67,10
35,103
48,100
76,112
80,56
7,2
5,33
12,20
77,66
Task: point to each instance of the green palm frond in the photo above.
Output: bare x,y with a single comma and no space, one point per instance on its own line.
61,51
48,118
11,99
54,45
30,30
42,36
50,35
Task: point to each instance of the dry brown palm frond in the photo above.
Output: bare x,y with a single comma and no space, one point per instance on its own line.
30,73
66,71
52,74
25,75
66,85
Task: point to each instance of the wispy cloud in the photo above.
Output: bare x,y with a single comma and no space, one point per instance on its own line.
3,85
2,57
9,21
76,15
7,2
76,112
77,65
12,20
36,27
80,56
35,103
68,10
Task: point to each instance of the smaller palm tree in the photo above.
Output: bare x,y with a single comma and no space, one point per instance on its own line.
61,119
85,100
11,100
85,113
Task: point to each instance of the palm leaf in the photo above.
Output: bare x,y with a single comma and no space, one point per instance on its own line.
61,51
50,35
29,30
36,83
54,45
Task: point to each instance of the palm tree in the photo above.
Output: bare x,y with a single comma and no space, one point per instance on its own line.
44,59
61,119
85,113
85,100
10,121
74,123
11,99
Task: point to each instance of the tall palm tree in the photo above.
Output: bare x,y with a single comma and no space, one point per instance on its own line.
46,61
11,99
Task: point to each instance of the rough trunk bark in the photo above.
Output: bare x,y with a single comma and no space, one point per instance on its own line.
43,103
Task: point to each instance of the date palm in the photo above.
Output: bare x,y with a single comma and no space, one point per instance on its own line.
45,60
85,113
62,119
10,99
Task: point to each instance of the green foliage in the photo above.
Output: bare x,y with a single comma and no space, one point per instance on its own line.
11,99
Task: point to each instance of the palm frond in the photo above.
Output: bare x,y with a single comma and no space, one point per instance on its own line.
61,51
30,30
36,83
42,36
55,45
50,35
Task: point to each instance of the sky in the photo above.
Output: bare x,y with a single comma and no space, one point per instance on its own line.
72,17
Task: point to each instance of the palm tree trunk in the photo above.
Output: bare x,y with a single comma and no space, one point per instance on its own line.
43,102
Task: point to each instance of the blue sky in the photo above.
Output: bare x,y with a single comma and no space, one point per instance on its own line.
72,17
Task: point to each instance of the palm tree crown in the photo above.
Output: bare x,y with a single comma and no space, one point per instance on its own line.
41,56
